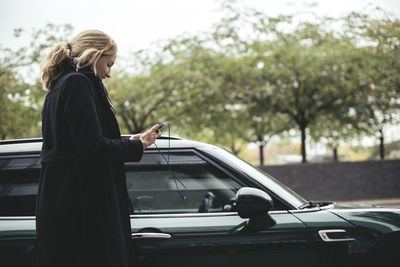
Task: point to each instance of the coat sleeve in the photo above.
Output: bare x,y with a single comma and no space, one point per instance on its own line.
84,126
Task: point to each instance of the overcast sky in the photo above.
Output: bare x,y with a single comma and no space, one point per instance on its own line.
135,24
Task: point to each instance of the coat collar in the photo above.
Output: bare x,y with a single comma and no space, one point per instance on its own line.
88,71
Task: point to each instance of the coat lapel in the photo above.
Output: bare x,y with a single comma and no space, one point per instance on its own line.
105,109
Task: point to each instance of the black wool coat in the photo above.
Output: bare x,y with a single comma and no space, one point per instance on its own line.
82,210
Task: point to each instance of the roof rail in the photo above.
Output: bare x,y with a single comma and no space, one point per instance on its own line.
40,139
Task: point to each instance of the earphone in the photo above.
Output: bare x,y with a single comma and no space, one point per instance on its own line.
167,160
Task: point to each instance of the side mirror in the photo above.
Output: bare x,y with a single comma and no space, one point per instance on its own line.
254,204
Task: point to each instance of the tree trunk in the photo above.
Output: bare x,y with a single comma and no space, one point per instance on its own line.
235,150
261,147
335,154
303,144
381,145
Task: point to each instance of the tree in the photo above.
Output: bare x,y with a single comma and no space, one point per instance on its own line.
18,117
380,101
304,69
21,92
335,128
8,83
171,90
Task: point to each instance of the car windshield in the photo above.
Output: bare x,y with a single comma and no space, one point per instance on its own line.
268,181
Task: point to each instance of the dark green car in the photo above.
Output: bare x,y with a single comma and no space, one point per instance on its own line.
194,204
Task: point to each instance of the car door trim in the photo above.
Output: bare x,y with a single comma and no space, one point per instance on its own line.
326,207
170,215
180,215
150,236
183,215
17,217
324,235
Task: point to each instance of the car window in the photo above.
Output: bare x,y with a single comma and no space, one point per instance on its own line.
18,186
278,188
188,184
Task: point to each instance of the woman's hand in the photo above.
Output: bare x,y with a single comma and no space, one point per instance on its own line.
135,137
148,137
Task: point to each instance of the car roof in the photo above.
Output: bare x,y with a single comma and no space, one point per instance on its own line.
34,145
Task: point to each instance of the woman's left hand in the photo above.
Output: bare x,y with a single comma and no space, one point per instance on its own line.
148,137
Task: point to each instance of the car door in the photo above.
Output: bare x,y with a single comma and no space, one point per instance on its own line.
182,216
336,240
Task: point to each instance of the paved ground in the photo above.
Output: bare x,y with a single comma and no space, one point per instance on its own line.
389,202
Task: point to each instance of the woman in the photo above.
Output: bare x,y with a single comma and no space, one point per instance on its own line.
82,211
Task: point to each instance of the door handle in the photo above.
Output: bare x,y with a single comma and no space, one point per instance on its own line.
150,236
326,235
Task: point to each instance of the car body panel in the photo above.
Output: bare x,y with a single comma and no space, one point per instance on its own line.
221,239
362,236
334,253
379,220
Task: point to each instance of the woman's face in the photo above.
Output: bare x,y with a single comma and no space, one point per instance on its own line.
103,66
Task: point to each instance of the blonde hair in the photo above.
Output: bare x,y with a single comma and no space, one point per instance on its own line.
83,51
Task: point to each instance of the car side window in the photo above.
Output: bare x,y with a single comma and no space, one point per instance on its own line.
18,186
188,184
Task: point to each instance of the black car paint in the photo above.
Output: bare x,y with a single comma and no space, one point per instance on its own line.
219,239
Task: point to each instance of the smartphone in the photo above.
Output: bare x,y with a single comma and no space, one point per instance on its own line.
160,126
